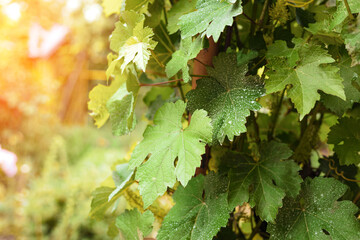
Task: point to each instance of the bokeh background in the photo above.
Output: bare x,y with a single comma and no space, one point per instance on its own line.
52,53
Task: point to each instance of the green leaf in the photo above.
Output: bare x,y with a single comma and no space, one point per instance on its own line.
346,137
341,13
314,210
188,50
157,97
139,6
166,141
123,178
132,41
112,6
264,183
121,107
134,225
244,58
227,95
306,76
210,18
155,11
352,93
179,9
200,211
100,203
351,35
99,96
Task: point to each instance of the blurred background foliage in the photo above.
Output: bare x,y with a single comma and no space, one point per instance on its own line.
53,52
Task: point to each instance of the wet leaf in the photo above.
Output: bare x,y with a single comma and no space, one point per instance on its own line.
316,214
166,141
227,95
200,211
264,183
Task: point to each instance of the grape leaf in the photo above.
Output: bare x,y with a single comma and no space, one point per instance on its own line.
132,41
99,96
123,178
121,107
200,211
351,79
341,13
210,18
314,210
351,35
139,6
346,137
188,50
227,95
135,225
180,8
100,203
264,183
166,141
309,74
112,6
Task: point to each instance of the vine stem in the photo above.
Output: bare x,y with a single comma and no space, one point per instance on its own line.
341,173
262,15
156,59
205,65
159,83
200,76
255,231
348,9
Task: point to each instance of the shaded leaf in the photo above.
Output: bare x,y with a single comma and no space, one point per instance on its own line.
314,210
227,95
264,183
200,211
352,93
346,137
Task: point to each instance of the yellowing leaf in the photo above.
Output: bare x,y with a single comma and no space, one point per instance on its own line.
99,96
112,6
132,41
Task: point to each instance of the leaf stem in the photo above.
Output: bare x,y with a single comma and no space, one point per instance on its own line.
194,75
181,91
159,83
205,65
156,59
348,9
255,231
276,117
262,15
250,19
236,30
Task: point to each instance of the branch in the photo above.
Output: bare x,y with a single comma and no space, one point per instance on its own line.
262,16
348,9
159,83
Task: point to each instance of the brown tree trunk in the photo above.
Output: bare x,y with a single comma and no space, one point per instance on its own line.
204,57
